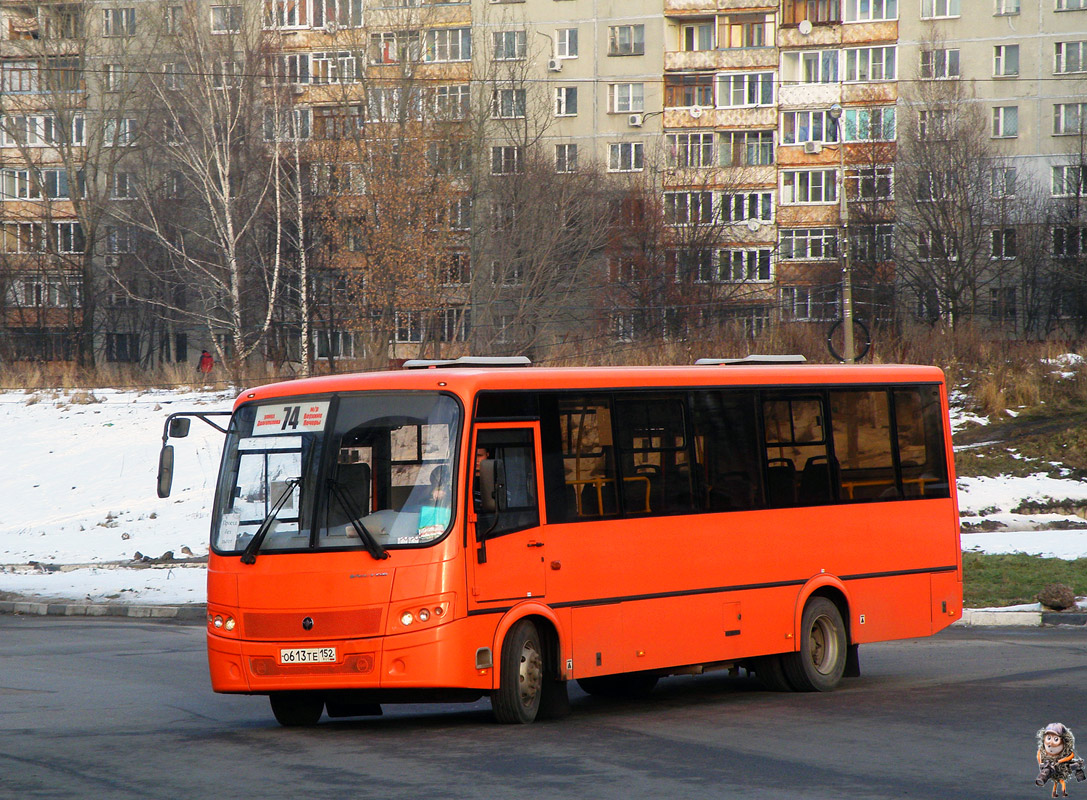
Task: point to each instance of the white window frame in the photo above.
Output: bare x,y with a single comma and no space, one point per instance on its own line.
805,125
566,43
871,64
747,264
1071,5
689,208
447,45
746,86
626,156
1000,240
286,14
626,40
1007,8
877,10
452,102
566,157
565,101
333,67
753,141
744,206
872,184
941,64
690,150
809,187
627,98
509,45
1006,61
509,103
1062,59
226,18
697,37
1002,182
119,22
1067,181
1005,122
940,9
811,66
508,158
861,118
808,244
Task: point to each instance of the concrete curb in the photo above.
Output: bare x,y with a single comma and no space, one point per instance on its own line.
196,612
990,618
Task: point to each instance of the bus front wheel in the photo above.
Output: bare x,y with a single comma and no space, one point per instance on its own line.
521,676
297,709
820,663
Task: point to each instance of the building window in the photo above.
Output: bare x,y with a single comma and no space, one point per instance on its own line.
1071,5
1002,182
1069,241
688,91
334,67
1007,7
1070,57
627,97
737,90
872,184
941,64
329,14
566,158
934,9
121,132
697,36
1068,181
393,104
815,11
747,30
226,19
449,44
626,40
566,101
809,303
452,102
1003,243
123,186
508,104
288,69
747,148
506,160
809,186
935,246
744,206
288,126
509,45
409,326
286,14
798,127
122,347
689,150
870,64
1069,118
933,126
1002,304
872,243
874,124
688,208
1005,122
334,344
870,10
1006,60
119,22
812,66
747,266
808,244
625,157
455,324
566,43
394,47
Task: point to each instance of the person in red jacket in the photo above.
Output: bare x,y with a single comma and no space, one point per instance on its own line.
206,363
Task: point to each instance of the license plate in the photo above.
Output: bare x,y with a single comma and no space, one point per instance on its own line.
307,655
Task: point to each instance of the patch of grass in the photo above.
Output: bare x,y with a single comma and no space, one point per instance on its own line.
1008,580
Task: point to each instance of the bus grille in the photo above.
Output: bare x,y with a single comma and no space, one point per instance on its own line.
326,624
361,664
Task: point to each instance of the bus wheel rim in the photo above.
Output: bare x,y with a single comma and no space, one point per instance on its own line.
823,645
530,674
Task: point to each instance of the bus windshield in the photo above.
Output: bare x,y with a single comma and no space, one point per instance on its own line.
338,473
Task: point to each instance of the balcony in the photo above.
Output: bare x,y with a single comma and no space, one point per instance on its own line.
733,58
809,95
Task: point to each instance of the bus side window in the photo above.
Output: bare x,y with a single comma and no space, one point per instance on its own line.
588,458
861,421
919,422
654,457
799,470
726,451
513,448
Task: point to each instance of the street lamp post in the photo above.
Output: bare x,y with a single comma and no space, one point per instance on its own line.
843,216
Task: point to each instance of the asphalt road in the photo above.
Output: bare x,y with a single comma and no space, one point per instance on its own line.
122,709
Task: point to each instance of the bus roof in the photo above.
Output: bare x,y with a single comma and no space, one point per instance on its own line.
466,381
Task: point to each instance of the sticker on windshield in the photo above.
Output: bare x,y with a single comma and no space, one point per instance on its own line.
295,418
228,531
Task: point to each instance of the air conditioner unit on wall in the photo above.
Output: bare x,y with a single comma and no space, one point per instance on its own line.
635,120
554,65
813,147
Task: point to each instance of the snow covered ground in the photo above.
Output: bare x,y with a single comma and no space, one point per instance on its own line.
79,491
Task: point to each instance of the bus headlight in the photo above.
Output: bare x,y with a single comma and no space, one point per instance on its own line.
406,618
422,612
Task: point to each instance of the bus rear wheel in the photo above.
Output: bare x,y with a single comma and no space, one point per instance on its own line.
521,676
820,663
297,709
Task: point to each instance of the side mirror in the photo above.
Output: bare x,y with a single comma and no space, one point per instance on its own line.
492,485
179,428
166,467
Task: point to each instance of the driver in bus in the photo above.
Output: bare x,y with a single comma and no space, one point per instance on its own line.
434,513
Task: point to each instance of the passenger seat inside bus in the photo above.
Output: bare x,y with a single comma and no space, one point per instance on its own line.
817,481
780,483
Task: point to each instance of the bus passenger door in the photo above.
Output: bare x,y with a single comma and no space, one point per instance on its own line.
508,554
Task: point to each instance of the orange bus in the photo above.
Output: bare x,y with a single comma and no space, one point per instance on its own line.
463,530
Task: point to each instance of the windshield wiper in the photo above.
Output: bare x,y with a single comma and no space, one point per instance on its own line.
249,555
373,547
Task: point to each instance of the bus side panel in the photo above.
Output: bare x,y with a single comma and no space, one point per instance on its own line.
946,599
890,608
